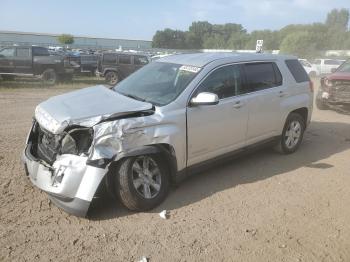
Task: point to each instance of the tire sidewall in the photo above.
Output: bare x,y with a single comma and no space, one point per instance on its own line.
125,188
292,117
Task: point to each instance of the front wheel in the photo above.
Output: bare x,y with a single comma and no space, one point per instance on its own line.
142,182
292,134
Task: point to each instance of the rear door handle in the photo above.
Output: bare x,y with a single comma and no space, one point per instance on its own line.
238,104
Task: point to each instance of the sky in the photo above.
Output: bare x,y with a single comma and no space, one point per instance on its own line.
136,19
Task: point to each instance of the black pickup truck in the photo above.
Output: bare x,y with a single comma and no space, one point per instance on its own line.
33,61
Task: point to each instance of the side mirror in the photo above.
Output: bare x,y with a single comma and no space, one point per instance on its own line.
205,99
333,70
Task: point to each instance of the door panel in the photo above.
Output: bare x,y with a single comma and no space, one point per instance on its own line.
218,129
264,93
265,114
23,61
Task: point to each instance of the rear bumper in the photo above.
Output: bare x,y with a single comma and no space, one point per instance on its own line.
69,182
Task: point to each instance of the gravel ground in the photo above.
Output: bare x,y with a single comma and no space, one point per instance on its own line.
261,207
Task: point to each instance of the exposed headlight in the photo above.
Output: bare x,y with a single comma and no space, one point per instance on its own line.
328,82
77,141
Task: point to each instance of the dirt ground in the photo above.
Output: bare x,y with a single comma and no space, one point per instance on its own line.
261,207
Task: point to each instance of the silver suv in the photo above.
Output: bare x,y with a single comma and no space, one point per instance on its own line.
163,122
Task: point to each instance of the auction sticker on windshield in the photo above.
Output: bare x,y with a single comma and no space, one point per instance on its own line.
192,69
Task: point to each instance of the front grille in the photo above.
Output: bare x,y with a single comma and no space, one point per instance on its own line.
48,146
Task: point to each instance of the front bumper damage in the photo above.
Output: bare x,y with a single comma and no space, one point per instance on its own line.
70,183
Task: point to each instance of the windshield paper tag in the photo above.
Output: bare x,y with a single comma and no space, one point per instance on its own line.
192,69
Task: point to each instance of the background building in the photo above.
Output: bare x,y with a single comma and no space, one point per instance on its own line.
42,39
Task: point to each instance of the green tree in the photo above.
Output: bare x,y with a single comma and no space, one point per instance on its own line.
168,38
338,19
299,44
66,39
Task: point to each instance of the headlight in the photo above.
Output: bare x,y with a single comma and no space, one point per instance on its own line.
328,82
77,141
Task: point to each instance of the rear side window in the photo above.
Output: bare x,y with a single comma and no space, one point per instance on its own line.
262,76
125,59
23,52
40,51
109,58
297,71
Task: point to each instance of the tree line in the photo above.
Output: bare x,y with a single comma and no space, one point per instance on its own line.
304,40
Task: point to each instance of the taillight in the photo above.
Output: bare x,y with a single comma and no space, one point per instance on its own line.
311,86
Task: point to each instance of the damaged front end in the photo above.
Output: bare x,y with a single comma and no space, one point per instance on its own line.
334,92
57,164
68,157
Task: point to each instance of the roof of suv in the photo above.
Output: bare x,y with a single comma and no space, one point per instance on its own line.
202,59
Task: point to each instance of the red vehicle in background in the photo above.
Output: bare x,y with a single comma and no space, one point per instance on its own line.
335,88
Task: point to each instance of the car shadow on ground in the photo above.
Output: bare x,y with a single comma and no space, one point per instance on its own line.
321,140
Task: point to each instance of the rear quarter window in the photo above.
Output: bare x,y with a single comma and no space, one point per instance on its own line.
297,70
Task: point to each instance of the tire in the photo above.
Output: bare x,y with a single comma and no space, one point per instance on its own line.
112,78
320,104
292,134
49,77
140,188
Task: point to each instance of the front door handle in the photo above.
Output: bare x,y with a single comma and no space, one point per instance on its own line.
238,104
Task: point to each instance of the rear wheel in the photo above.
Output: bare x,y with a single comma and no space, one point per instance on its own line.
49,77
292,134
112,78
142,182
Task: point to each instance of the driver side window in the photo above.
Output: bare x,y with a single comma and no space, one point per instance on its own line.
225,82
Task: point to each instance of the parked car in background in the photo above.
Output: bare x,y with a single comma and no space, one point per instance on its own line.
162,123
335,88
88,63
33,61
310,69
327,66
116,66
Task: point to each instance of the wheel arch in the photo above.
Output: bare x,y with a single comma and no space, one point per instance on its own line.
303,111
167,152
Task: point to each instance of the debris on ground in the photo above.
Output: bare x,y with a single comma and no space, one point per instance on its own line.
144,259
164,214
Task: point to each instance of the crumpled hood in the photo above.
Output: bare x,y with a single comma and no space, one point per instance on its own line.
85,107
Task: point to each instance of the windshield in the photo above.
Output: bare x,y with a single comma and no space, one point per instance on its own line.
345,68
158,83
